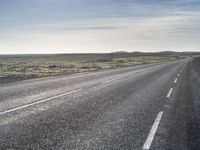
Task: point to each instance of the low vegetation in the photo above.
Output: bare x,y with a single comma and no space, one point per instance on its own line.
32,66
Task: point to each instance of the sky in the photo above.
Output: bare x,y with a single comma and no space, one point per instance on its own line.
98,26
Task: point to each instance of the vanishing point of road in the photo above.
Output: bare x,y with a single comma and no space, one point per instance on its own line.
134,108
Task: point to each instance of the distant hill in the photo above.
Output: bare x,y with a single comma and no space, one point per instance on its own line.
119,52
92,56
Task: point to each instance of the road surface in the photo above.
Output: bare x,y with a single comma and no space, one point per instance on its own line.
134,108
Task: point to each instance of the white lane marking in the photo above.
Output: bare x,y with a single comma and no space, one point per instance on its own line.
182,69
166,106
183,66
175,80
169,93
110,80
38,102
114,79
178,75
152,132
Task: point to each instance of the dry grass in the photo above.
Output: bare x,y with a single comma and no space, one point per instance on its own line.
42,66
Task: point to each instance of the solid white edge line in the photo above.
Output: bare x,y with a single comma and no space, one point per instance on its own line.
152,132
169,93
115,79
110,80
38,102
175,80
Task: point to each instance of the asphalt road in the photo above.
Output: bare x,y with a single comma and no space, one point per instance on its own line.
134,108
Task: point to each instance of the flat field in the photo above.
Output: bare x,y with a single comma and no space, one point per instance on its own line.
16,67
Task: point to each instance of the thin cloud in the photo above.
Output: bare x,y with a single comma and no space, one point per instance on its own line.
99,26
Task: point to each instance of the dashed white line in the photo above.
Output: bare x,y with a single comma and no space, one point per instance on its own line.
175,80
169,93
38,102
182,69
166,106
183,66
152,132
178,74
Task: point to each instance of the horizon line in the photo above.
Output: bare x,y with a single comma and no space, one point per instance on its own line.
99,52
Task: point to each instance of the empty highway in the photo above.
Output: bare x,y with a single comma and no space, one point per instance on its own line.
134,108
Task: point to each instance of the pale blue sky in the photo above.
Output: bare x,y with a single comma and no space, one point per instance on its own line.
73,26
